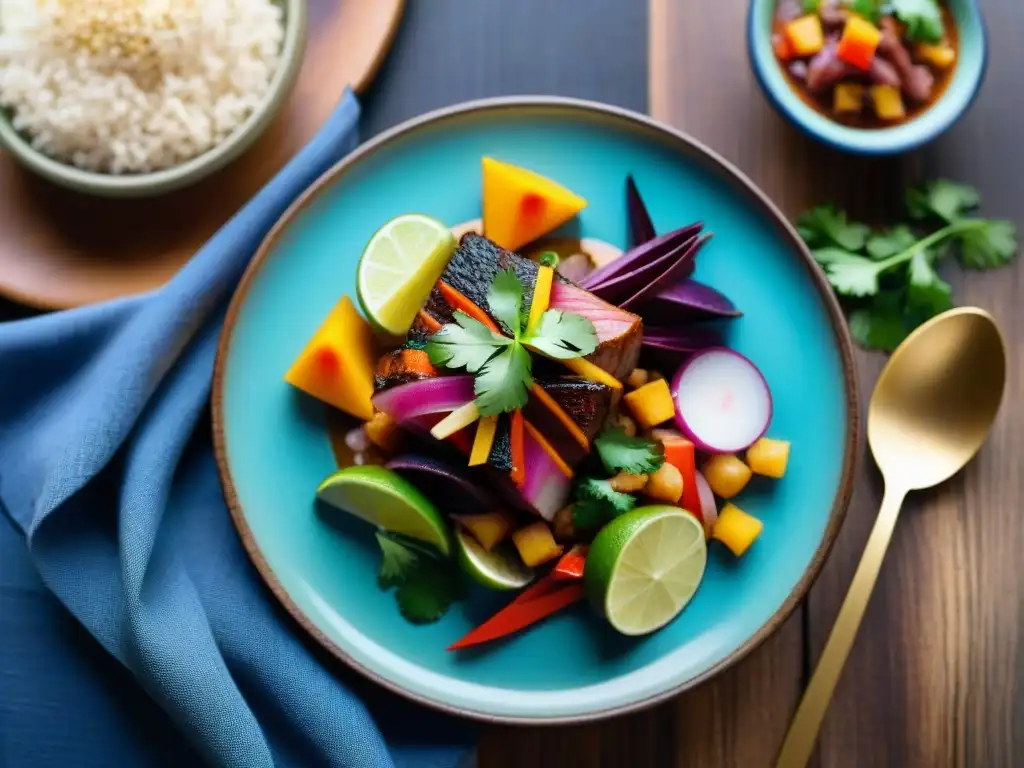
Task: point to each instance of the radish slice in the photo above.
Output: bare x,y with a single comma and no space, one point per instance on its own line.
708,505
723,403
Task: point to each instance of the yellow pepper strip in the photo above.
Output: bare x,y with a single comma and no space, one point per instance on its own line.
484,440
541,298
583,367
458,419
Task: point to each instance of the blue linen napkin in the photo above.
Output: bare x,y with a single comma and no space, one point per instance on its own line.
106,468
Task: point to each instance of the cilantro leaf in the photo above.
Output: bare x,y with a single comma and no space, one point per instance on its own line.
992,244
427,593
854,278
945,199
563,335
502,384
878,327
597,502
867,8
885,244
466,343
811,5
634,455
832,255
925,289
827,225
505,299
922,17
397,562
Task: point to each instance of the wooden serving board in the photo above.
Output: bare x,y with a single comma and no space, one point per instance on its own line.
62,249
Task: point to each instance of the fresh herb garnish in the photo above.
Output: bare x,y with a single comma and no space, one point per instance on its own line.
548,259
427,585
869,9
922,17
633,455
502,364
888,280
811,5
597,502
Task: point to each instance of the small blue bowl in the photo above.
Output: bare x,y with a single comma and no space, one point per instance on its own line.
954,102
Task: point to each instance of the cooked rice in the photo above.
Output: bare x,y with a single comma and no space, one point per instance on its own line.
134,86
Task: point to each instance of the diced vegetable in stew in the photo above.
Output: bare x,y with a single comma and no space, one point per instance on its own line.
866,63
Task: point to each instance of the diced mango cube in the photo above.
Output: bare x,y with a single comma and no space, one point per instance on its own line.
651,404
888,102
384,432
336,365
941,56
768,457
726,474
736,529
849,99
535,544
805,35
859,42
489,529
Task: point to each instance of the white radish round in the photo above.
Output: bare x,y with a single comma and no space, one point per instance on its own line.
723,403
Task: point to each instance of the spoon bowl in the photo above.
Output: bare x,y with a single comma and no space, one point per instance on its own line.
935,401
931,410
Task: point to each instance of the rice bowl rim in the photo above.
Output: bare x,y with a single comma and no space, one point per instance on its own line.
193,170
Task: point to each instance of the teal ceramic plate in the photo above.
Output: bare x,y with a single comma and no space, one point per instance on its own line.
273,446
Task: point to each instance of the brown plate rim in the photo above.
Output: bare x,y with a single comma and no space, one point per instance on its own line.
690,147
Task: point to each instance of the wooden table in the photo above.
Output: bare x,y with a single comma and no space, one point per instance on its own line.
936,677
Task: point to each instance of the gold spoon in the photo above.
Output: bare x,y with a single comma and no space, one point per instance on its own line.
930,412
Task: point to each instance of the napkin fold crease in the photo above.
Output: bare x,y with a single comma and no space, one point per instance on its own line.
106,467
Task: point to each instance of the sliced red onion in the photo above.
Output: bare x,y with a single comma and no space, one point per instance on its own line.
546,487
688,299
451,487
641,228
680,338
708,505
418,398
680,269
641,255
722,400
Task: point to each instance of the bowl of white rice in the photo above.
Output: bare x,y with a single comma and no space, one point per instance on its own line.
133,98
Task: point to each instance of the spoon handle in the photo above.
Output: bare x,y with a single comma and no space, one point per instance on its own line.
803,731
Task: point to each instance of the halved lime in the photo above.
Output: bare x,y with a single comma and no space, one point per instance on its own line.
644,567
399,266
501,568
386,499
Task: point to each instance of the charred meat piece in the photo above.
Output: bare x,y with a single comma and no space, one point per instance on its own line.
405,364
585,403
473,267
916,80
883,72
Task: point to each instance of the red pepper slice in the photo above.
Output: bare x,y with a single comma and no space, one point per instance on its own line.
570,567
680,453
518,615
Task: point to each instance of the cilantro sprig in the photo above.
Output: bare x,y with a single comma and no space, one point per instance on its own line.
597,503
501,362
922,17
889,279
426,584
633,455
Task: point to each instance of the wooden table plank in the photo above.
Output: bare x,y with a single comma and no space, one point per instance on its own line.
935,677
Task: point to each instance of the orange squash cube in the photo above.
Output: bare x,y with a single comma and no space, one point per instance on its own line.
859,42
805,35
536,544
651,404
489,529
736,529
768,457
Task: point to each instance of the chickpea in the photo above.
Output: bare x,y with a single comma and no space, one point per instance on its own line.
637,378
627,424
624,483
666,484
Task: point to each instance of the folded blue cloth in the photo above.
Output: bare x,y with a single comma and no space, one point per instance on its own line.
106,468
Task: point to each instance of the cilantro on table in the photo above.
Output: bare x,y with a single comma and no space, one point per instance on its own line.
502,363
633,455
888,279
426,584
597,503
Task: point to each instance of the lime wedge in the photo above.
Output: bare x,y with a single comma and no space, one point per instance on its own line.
501,568
644,567
389,501
400,265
